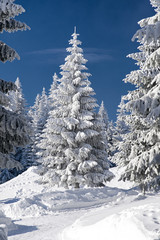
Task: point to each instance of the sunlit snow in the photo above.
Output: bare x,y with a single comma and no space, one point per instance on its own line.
116,211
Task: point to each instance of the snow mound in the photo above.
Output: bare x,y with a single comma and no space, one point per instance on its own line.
6,225
23,197
92,213
141,223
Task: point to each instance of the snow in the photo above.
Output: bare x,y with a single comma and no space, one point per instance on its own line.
115,212
131,224
5,223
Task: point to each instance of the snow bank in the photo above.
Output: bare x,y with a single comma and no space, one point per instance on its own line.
141,223
103,213
5,226
24,197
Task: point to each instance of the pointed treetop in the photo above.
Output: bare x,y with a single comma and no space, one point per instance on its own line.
43,100
74,42
18,85
55,77
37,98
75,29
17,82
43,92
54,84
75,34
101,108
55,81
102,104
103,113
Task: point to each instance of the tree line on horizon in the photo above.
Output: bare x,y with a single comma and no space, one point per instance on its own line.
73,143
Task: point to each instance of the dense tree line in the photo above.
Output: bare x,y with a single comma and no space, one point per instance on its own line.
67,134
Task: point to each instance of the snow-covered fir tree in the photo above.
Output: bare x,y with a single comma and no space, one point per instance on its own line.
109,132
38,114
142,146
122,130
19,106
103,114
73,151
112,138
17,101
42,111
13,130
8,11
105,130
121,123
53,92
16,105
33,115
103,117
43,106
34,110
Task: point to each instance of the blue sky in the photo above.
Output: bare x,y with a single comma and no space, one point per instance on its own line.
105,27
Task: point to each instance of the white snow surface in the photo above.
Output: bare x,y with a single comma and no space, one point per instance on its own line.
115,212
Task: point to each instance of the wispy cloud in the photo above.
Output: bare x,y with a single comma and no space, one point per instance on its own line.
56,55
97,54
49,56
48,51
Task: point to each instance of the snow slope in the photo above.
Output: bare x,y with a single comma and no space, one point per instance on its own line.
138,220
113,212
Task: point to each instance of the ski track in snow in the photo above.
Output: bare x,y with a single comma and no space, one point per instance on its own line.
42,213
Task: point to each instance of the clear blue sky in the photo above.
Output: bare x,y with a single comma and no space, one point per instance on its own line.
105,27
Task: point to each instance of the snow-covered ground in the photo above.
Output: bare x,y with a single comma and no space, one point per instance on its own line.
116,212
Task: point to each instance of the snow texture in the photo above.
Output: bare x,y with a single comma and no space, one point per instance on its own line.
117,211
5,224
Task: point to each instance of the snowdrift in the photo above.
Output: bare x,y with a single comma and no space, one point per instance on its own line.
24,197
110,212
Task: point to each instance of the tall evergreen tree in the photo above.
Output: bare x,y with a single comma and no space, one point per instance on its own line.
34,110
103,114
18,105
122,132
53,92
73,151
122,118
38,114
43,111
13,130
112,138
33,114
17,101
142,153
